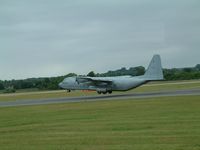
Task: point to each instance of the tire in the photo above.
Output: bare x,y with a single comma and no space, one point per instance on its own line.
110,92
104,92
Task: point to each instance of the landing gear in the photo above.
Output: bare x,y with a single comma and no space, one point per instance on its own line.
104,92
68,91
110,92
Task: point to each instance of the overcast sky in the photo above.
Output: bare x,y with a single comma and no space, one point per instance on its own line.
54,37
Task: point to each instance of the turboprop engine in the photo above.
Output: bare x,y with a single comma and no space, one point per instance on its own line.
81,80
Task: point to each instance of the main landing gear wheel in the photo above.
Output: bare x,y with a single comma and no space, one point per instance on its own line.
110,92
105,92
68,91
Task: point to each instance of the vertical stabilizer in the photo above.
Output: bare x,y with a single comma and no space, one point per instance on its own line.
154,71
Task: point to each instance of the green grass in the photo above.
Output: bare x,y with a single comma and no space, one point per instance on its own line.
167,86
167,123
32,95
149,88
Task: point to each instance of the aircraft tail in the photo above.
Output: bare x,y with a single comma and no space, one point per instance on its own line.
154,71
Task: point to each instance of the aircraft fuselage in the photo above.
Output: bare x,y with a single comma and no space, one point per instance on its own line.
121,83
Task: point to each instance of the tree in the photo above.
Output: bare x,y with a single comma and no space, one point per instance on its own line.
91,74
1,86
197,67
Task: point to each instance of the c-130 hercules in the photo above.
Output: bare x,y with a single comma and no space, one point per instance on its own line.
119,83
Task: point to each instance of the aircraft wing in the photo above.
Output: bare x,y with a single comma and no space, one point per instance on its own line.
95,80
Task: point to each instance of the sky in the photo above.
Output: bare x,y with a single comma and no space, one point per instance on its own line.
44,38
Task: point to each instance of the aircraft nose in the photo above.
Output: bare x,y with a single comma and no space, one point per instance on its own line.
60,84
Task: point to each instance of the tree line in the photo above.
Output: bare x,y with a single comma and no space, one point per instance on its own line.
51,83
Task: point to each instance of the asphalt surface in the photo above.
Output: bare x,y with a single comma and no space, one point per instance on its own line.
100,97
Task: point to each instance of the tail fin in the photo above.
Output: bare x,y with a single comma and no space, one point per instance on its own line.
154,71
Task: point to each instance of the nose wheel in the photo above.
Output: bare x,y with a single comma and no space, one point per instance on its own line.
68,91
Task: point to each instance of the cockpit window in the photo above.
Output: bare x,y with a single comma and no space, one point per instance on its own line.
65,79
69,79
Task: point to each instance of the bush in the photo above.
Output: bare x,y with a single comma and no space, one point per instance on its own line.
9,90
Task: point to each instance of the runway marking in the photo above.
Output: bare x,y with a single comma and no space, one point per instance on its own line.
98,98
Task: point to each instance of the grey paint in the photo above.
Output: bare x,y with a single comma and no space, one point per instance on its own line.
119,83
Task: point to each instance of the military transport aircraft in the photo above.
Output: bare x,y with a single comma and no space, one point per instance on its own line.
120,83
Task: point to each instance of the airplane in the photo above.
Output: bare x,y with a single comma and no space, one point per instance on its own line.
104,85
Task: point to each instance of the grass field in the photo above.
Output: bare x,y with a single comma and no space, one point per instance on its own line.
167,123
156,86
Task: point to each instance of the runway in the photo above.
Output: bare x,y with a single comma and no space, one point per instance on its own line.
100,97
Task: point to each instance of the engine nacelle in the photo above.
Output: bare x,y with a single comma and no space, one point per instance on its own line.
81,80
